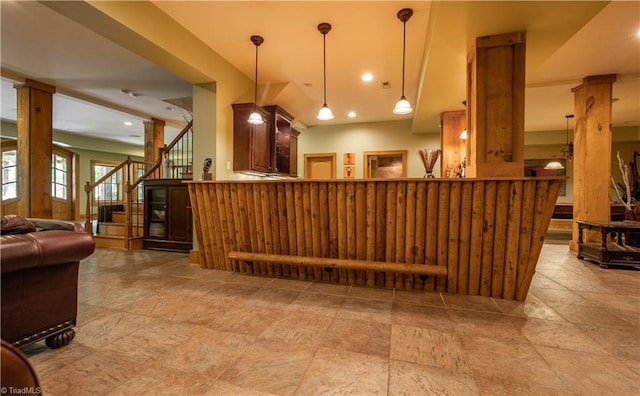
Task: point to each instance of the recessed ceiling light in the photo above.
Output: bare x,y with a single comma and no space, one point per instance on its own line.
128,123
367,77
351,114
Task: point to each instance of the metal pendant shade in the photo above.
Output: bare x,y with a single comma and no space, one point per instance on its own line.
403,106
255,117
325,112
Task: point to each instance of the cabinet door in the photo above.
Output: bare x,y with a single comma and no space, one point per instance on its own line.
156,201
261,155
179,214
293,155
282,139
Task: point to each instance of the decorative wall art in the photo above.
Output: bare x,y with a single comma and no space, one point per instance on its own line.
349,171
349,158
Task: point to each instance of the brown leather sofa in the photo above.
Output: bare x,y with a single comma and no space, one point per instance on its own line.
16,373
40,281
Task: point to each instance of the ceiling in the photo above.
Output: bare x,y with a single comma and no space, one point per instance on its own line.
566,41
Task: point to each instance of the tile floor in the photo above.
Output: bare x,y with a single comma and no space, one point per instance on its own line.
150,323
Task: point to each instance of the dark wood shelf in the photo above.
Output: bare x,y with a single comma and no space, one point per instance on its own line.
173,229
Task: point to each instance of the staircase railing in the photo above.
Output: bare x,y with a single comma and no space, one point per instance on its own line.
175,162
177,157
106,195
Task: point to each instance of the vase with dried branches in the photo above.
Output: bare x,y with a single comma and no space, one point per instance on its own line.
429,159
626,198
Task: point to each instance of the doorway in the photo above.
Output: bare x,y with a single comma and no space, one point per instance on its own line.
320,166
385,164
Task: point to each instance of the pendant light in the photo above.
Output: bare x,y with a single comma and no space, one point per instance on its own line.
403,106
255,118
567,150
325,112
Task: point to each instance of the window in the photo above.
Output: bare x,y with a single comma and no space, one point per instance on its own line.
59,172
110,189
9,174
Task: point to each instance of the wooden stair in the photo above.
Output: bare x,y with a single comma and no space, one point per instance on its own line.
111,233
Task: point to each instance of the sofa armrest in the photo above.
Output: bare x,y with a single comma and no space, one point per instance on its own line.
37,249
53,224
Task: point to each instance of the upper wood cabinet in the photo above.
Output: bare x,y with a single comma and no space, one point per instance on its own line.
270,148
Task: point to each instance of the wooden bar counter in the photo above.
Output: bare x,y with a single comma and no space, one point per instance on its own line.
467,236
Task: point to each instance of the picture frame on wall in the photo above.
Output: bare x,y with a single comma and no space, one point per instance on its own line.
349,159
349,172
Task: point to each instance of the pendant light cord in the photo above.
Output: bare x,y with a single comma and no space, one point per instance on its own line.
324,57
255,84
404,38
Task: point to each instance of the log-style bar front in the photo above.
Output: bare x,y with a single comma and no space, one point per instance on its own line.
467,236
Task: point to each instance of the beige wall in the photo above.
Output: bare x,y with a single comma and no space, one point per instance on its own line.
358,138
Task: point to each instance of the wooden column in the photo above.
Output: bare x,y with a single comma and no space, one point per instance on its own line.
495,104
592,152
35,135
453,147
153,139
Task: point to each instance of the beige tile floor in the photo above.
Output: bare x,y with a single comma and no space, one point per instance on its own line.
150,323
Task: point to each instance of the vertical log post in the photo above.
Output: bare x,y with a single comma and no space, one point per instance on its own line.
495,103
35,136
153,143
592,153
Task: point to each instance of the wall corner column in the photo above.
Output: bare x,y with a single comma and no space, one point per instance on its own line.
206,134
